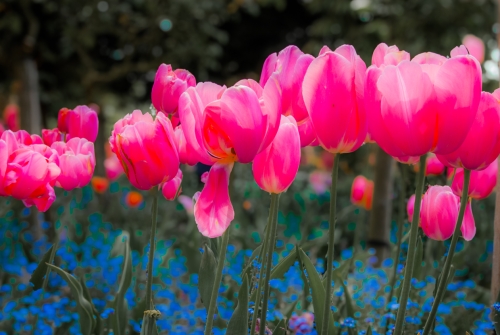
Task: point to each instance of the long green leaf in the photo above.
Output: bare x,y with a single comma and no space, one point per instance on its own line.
38,275
87,322
120,316
417,265
149,325
280,328
206,275
369,331
318,291
255,253
98,325
238,324
280,269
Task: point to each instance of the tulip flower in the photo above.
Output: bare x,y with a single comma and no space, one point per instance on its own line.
362,192
77,162
133,199
388,55
11,117
99,184
475,45
482,144
468,227
172,188
410,206
62,120
113,167
168,87
30,174
291,65
81,122
439,213
333,95
275,168
50,136
481,182
433,166
146,149
186,156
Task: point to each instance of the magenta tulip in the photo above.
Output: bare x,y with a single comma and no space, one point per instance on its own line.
82,122
172,188
186,156
275,168
468,227
168,87
410,207
291,65
62,120
482,144
333,94
481,183
475,45
77,163
439,212
146,149
50,136
433,166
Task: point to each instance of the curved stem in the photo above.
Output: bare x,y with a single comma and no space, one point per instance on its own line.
412,245
401,221
449,259
152,245
217,282
269,259
262,259
331,242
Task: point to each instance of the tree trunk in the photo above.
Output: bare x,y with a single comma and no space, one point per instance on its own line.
100,153
31,116
380,219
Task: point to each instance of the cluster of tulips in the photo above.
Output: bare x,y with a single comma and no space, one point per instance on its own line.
31,166
428,105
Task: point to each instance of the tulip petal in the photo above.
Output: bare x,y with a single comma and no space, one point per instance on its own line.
468,227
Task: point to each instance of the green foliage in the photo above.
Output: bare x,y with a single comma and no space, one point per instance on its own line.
38,275
207,274
238,324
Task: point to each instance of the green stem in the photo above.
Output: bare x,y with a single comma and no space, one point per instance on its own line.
331,242
269,259
449,259
412,246
152,246
261,260
217,282
401,221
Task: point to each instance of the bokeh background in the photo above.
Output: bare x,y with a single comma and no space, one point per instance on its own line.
65,53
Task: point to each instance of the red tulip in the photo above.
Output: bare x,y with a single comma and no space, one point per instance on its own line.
11,117
99,184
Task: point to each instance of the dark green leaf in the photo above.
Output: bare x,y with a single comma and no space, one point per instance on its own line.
289,311
369,331
318,291
280,328
120,316
98,325
417,266
149,325
87,321
255,253
39,274
238,324
496,316
206,275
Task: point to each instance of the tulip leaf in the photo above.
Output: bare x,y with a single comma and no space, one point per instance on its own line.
280,328
369,331
149,325
318,291
238,324
417,265
206,275
38,275
248,268
120,316
98,325
280,269
84,307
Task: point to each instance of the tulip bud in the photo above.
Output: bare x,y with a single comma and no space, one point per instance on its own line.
362,192
172,188
168,87
82,122
439,212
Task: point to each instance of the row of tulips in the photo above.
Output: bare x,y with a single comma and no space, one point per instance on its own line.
410,107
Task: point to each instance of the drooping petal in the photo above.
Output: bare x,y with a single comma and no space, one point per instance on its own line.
468,227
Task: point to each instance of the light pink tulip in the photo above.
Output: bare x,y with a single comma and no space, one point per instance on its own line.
291,65
333,91
82,122
30,175
77,162
275,168
475,45
481,183
204,177
439,212
145,148
410,206
168,87
362,192
468,227
172,188
186,156
213,210
482,144
113,167
388,55
50,136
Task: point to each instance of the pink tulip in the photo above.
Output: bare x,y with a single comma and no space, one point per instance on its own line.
456,84
275,168
433,167
187,203
475,45
204,177
113,167
186,156
11,117
482,144
81,122
388,55
22,137
213,210
62,119
320,181
2,128
481,183
50,136
172,188
145,148
30,174
77,162
168,87
362,192
333,94
410,206
439,212
291,65
468,227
